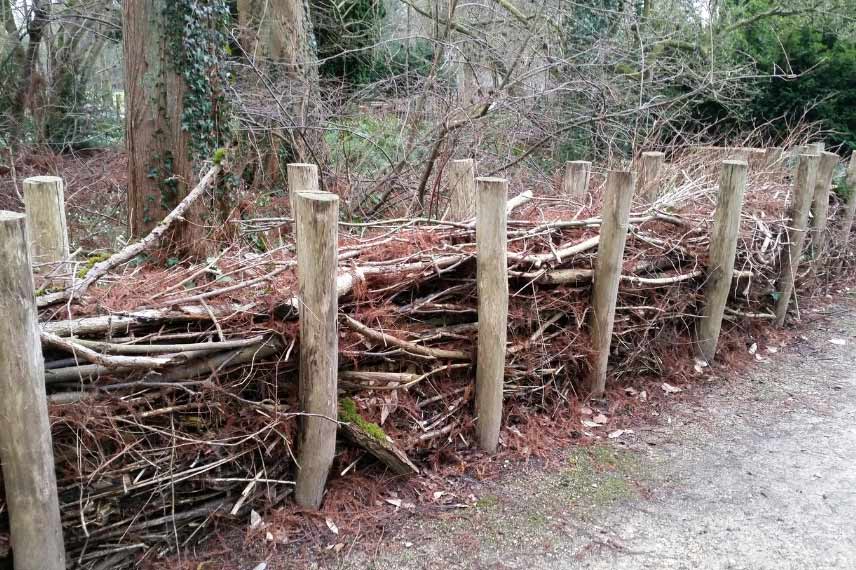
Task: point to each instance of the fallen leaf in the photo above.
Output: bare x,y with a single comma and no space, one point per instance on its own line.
630,391
772,349
394,502
838,341
586,411
269,537
255,519
669,389
438,494
332,526
643,396
754,348
262,566
600,419
618,433
590,424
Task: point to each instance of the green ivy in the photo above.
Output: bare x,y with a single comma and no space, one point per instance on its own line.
197,38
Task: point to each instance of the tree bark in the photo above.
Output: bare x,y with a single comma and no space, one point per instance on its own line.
159,161
280,35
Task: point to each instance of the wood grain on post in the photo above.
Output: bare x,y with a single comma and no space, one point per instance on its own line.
803,194
26,450
302,177
850,208
575,180
316,221
649,175
820,203
462,190
723,246
47,234
492,282
607,271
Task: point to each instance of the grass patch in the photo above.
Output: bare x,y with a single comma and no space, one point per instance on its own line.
599,476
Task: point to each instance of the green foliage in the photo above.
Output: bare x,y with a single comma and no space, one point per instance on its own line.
397,58
197,38
815,58
345,32
348,413
368,144
347,35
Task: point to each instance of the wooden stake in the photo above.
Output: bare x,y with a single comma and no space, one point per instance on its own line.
773,157
649,175
26,450
607,272
723,246
820,205
302,178
316,221
44,201
850,209
492,282
575,181
462,190
797,223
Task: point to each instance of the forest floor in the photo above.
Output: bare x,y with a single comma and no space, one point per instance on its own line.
747,473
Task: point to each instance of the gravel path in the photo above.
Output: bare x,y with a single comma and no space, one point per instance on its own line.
755,474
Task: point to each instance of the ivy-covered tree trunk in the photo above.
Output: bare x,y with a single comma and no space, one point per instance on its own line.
159,164
173,108
279,33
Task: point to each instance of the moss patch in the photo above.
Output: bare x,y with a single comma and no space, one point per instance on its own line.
90,263
488,502
348,413
599,476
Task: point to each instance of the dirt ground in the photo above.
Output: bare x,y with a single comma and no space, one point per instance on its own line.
754,473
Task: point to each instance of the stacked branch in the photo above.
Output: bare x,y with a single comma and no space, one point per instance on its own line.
174,392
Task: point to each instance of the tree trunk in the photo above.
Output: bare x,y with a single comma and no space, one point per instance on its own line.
279,35
28,90
159,162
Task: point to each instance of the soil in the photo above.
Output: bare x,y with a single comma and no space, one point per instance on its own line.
753,473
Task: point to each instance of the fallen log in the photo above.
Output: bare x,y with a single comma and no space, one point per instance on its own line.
101,269
372,438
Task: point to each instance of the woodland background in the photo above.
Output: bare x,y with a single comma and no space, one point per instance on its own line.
382,93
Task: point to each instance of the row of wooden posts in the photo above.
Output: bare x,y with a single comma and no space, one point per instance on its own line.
25,440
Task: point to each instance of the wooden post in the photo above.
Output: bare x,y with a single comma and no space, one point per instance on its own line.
607,271
462,190
47,234
649,175
820,205
773,157
723,246
316,222
850,209
26,450
492,285
575,180
797,221
302,178
739,153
